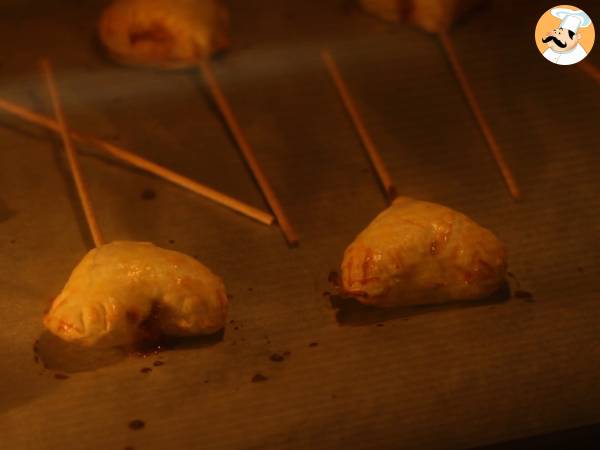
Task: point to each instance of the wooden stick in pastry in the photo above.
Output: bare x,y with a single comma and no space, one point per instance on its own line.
359,124
124,292
82,191
459,72
167,34
432,16
141,163
248,153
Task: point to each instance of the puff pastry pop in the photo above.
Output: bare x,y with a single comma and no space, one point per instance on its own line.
417,252
434,16
121,290
167,34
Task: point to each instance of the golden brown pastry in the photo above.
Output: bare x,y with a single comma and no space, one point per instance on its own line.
431,15
122,289
417,252
163,33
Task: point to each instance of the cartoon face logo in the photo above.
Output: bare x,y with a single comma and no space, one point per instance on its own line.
561,40
562,32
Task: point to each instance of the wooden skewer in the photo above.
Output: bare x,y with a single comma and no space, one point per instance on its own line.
84,195
141,163
359,124
590,70
248,153
459,72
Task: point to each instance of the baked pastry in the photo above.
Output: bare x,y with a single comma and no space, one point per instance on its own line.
124,290
432,15
163,33
417,252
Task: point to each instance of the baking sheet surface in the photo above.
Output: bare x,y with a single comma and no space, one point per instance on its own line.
450,377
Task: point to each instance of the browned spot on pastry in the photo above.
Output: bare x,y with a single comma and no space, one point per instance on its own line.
433,249
347,270
155,33
416,224
484,270
368,280
366,265
468,276
223,298
65,327
132,316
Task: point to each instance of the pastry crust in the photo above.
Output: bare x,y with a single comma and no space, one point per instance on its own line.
417,252
168,34
120,290
434,16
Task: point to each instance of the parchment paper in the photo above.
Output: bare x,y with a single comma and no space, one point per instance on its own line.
454,377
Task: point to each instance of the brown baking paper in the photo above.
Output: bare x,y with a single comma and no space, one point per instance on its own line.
286,373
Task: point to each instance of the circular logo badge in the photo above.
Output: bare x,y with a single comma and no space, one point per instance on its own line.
565,35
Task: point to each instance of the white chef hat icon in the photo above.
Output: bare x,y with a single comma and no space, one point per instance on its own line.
571,19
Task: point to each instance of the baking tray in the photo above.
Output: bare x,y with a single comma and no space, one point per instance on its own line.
449,377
